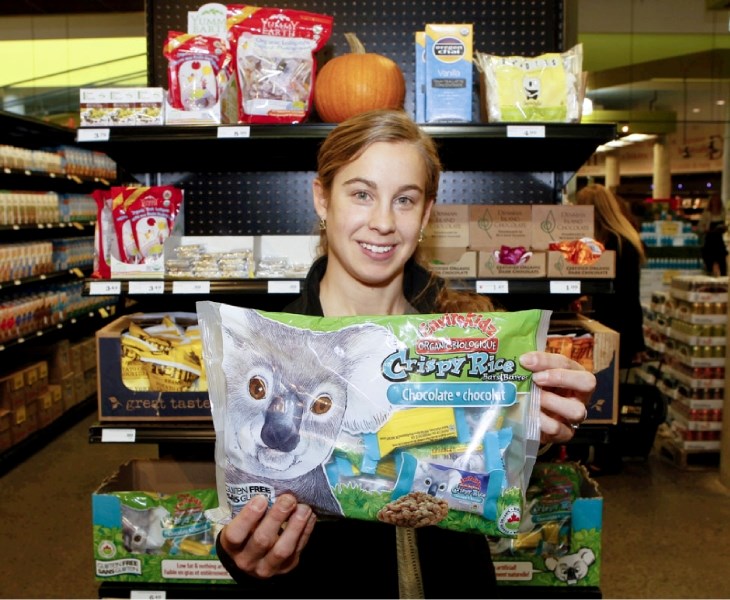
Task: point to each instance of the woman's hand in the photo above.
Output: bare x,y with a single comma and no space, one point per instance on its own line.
566,389
264,542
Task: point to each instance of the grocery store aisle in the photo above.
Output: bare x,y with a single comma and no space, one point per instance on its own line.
665,531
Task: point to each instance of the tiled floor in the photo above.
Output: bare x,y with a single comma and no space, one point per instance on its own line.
666,531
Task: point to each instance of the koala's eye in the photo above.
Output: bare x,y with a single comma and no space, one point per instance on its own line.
257,388
321,405
442,487
428,481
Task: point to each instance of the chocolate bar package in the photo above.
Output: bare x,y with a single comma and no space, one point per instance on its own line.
412,420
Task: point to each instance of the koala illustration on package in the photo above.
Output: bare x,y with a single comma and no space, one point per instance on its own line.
290,391
571,568
142,529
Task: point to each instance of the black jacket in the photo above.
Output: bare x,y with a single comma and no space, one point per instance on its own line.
621,311
362,553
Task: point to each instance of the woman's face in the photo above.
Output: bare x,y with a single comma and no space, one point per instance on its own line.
376,211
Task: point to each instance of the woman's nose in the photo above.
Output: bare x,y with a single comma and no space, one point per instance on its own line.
382,219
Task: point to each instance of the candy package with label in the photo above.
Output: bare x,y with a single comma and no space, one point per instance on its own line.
543,88
199,70
411,420
274,49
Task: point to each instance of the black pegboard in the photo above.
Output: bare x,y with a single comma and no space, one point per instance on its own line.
280,203
276,203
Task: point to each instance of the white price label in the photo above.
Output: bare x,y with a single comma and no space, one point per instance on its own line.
146,287
493,287
565,287
526,131
119,435
147,595
191,287
92,135
284,286
103,288
234,132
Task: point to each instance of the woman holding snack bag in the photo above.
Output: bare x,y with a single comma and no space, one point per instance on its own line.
377,180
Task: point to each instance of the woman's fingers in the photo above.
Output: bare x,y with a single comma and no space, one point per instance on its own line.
267,542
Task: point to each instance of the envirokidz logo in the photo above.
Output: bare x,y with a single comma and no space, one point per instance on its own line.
464,320
449,49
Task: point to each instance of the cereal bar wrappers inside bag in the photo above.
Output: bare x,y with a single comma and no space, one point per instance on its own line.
412,420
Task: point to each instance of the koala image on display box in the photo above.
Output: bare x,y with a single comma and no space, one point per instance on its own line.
411,420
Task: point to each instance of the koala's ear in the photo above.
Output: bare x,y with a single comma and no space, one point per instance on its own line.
551,563
367,403
587,556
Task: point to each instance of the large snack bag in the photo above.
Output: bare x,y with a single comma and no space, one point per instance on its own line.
273,49
412,420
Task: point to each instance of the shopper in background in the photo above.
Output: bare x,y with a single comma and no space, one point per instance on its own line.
621,311
711,229
377,180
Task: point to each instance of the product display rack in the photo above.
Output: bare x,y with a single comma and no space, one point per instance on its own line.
687,329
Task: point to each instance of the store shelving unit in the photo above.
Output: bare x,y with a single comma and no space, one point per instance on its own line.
687,328
74,323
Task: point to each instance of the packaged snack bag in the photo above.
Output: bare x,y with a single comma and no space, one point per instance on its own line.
273,49
412,420
104,236
143,219
199,70
546,88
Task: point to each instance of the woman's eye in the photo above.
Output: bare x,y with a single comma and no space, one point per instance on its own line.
362,196
257,388
321,405
404,201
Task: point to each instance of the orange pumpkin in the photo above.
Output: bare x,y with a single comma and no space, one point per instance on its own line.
356,82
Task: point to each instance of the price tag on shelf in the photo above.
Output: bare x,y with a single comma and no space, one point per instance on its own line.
118,435
284,287
92,135
234,132
146,287
565,287
147,595
103,288
493,287
526,131
191,287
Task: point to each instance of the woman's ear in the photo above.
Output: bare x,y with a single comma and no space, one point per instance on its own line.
320,201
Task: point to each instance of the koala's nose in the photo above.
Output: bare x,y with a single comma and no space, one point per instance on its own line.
282,422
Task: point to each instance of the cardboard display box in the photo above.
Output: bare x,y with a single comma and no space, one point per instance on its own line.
452,263
495,225
601,359
564,550
489,268
119,402
560,268
149,524
560,223
448,227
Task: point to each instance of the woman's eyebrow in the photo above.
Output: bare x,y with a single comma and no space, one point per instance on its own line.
372,184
